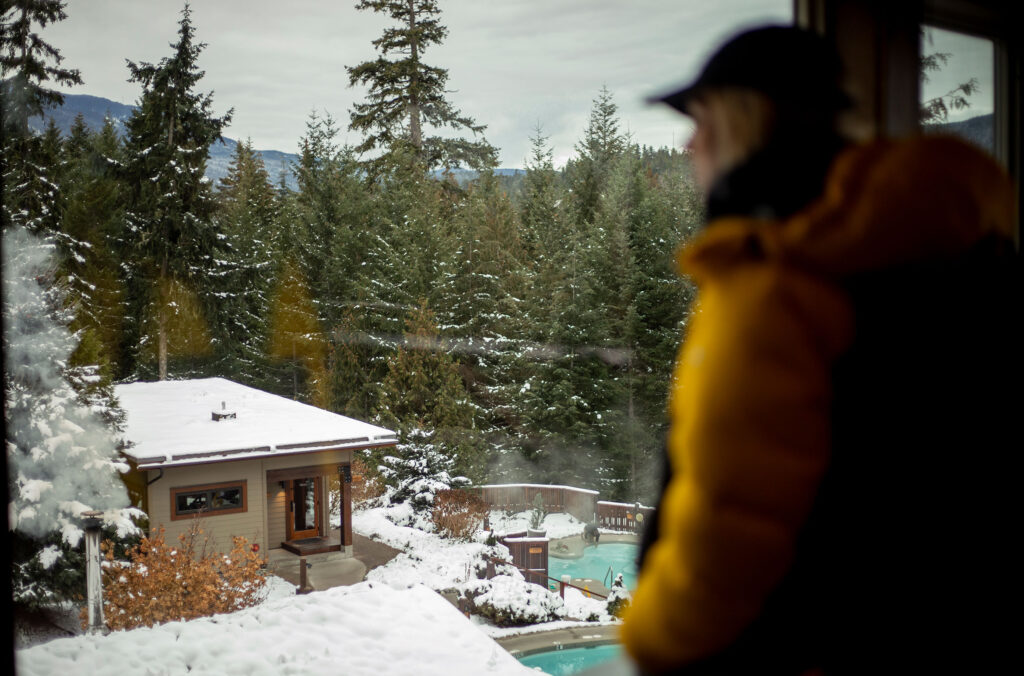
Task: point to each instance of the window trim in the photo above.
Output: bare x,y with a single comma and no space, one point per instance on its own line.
203,488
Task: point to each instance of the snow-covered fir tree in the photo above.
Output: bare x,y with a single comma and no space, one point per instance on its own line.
416,473
407,98
171,246
246,215
62,457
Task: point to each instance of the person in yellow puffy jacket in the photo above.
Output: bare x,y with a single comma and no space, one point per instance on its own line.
846,402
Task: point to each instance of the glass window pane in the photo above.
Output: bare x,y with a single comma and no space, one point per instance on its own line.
227,498
957,95
192,502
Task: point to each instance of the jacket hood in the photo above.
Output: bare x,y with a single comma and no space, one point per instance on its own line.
884,204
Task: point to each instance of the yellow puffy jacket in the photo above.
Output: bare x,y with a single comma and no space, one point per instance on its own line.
754,392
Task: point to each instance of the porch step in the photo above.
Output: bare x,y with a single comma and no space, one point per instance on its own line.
307,546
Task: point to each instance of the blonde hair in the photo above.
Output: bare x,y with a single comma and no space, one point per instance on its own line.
743,120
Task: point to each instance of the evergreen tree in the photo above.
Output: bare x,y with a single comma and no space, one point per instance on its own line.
296,340
417,471
485,289
335,209
541,220
61,457
170,243
602,143
422,390
247,211
27,63
92,218
407,97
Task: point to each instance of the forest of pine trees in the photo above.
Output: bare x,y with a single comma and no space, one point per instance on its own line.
526,327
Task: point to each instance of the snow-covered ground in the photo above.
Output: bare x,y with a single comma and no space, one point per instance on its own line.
368,628
394,623
443,564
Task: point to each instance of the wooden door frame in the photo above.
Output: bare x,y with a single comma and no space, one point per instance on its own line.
290,533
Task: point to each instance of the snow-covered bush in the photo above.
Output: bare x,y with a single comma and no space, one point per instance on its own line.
163,582
510,601
458,514
619,597
496,559
417,472
62,457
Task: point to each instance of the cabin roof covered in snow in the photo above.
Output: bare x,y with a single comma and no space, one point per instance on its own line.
171,423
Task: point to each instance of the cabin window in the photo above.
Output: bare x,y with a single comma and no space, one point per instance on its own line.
208,500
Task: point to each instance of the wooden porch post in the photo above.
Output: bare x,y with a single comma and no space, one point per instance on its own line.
346,510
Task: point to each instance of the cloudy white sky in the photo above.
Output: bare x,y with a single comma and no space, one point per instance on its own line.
511,63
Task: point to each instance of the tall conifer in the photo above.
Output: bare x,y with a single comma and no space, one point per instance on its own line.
407,97
170,242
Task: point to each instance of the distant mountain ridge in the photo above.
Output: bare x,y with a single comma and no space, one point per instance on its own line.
977,130
96,109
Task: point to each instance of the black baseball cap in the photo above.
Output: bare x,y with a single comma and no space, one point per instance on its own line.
787,64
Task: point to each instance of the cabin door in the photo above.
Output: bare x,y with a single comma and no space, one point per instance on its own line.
305,508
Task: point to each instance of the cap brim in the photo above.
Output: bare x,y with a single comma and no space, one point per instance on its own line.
679,99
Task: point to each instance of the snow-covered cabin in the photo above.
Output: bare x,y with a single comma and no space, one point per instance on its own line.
245,461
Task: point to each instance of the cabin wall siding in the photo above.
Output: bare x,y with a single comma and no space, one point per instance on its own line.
262,523
250,524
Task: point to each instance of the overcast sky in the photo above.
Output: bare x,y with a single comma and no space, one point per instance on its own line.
511,63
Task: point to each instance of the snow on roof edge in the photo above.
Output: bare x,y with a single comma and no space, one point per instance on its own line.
185,460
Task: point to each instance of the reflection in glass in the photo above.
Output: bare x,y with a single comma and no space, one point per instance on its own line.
957,94
305,504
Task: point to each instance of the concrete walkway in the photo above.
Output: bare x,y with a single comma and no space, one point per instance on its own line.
332,569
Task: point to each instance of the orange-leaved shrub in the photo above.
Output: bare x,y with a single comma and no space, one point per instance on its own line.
164,582
458,514
366,483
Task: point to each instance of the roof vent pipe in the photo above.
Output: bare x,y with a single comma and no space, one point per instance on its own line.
223,413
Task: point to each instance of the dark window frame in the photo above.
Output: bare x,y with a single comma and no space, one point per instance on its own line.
208,489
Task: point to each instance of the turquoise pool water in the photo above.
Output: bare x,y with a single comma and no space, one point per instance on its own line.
572,660
619,556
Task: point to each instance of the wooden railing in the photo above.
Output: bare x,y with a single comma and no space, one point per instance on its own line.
623,516
579,502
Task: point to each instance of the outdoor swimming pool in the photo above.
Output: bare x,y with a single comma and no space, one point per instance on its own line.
572,660
619,556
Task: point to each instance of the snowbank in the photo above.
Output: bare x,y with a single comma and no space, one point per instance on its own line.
426,558
366,629
446,565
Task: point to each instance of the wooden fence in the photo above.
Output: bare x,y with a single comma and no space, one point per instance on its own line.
623,516
530,555
579,502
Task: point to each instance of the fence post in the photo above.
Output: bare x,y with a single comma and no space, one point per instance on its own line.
561,585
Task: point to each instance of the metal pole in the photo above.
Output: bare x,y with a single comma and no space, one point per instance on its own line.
93,579
304,587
